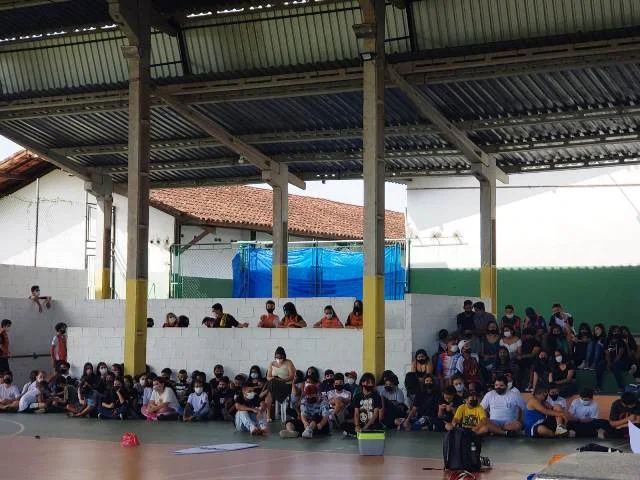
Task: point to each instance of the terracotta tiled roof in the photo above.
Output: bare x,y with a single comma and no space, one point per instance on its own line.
250,207
19,170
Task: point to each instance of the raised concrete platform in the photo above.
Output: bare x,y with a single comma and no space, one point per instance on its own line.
593,466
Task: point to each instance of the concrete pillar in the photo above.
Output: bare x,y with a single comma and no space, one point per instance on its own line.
372,33
277,176
137,53
488,271
103,247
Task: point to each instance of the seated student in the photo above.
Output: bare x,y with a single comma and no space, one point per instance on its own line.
114,403
224,320
250,414
583,416
422,414
393,402
130,395
86,404
183,321
617,356
218,373
541,369
31,383
554,399
562,374
531,347
471,415
447,407
457,382
447,361
39,299
329,320
354,319
535,321
297,386
505,363
511,382
327,383
421,365
171,321
314,412
143,390
166,374
280,375
556,340
581,344
91,377
632,349
350,379
63,392
339,399
222,400
255,375
163,404
596,352
504,408
269,319
182,387
511,342
624,410
540,420
197,407
9,394
367,406
291,318
468,365
510,318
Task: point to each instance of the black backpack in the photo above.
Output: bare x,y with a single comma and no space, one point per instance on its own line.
461,449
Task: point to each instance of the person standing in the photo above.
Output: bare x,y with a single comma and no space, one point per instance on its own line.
4,345
59,346
465,320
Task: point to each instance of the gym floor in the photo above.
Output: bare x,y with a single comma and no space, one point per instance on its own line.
53,447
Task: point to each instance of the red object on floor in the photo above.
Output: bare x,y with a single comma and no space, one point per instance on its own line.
130,439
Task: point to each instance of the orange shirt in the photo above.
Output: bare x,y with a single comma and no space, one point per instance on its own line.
333,322
289,321
4,344
354,320
269,320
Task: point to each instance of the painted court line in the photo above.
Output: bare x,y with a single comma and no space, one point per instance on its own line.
17,424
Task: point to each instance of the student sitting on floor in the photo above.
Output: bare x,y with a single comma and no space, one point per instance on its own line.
471,415
504,408
583,416
197,406
314,412
339,400
393,402
114,403
624,410
468,365
554,399
87,402
222,400
457,382
182,387
542,421
163,404
423,412
367,406
250,414
447,407
327,383
9,394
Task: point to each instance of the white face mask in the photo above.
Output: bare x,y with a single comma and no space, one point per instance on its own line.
328,315
254,375
559,358
250,395
198,390
453,349
279,361
103,370
459,387
509,385
350,381
585,402
143,383
507,334
509,315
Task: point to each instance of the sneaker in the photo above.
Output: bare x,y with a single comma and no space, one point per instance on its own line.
100,417
308,433
633,369
582,366
121,416
561,430
288,434
601,433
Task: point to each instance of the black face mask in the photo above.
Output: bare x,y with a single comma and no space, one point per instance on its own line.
492,332
8,380
312,399
501,391
422,361
329,381
473,403
338,387
388,388
270,310
428,387
218,375
554,397
366,388
357,310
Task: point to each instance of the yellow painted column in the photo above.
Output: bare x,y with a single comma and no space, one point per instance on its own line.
135,331
372,34
103,284
488,250
489,285
280,281
103,247
277,177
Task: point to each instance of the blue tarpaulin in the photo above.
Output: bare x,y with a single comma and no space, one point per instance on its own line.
315,272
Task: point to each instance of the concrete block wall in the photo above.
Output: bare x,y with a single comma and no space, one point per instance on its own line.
237,349
60,283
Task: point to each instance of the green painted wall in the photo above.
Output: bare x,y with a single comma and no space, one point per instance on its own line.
592,295
197,287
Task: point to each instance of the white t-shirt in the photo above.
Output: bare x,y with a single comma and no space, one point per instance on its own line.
502,408
9,392
198,402
27,399
583,412
168,397
559,401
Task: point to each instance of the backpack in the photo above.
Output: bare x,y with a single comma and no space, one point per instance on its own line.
461,449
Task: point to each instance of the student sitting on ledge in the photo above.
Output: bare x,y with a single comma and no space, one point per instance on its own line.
291,318
269,319
329,320
583,416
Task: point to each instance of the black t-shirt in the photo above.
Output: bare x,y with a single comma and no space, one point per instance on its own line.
559,374
541,367
182,391
225,321
466,321
615,346
619,411
253,403
455,403
366,405
426,403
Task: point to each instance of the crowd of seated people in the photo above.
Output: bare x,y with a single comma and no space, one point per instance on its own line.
290,319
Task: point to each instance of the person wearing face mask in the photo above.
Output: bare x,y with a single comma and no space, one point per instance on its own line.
171,321
541,368
9,394
339,399
563,375
446,367
218,373
584,416
531,347
255,374
624,410
291,318
542,421
489,347
505,409
581,344
355,319
617,353
269,319
327,383
423,412
329,320
556,340
59,345
554,400
482,317
457,382
471,415
421,364
163,404
511,342
250,413
182,387
29,401
393,401
510,318
5,325
350,379
114,403
314,412
367,405
468,365
103,370
535,321
87,402
197,406
280,374
465,320
632,349
505,363
447,407
224,320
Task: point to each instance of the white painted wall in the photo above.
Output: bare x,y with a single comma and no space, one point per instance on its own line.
59,283
563,218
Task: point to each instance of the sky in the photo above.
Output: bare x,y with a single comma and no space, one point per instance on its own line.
346,191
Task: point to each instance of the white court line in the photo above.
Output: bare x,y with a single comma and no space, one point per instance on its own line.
18,424
239,465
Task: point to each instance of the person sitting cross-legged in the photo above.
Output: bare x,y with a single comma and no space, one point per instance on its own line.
584,416
541,420
447,407
197,406
423,412
9,394
314,412
339,399
624,410
250,413
471,415
114,403
505,409
163,404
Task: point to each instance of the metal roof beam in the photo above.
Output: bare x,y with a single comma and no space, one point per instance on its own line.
213,128
476,156
15,4
127,21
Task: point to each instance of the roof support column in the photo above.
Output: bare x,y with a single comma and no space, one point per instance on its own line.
277,177
103,247
134,18
488,271
372,33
